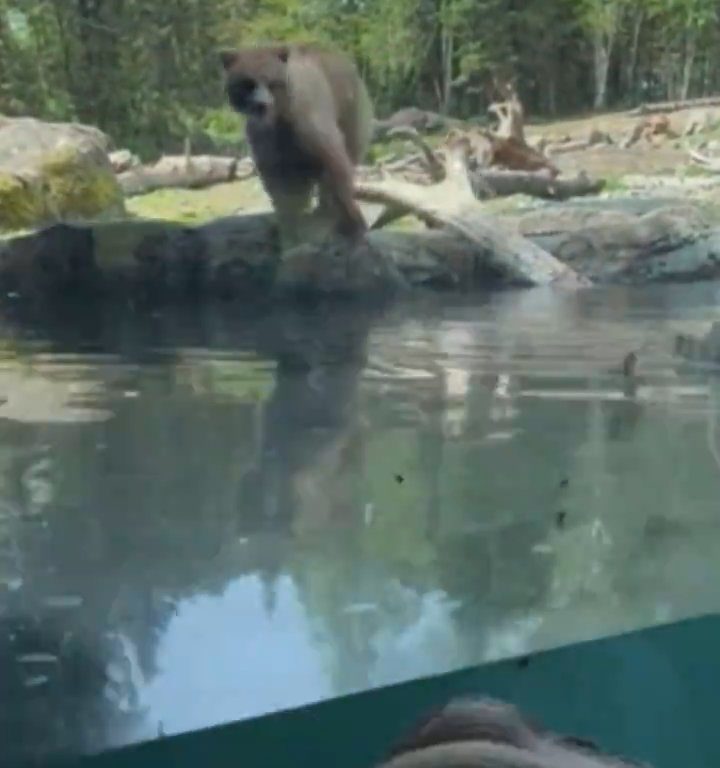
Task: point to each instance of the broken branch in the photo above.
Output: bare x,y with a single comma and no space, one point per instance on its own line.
452,204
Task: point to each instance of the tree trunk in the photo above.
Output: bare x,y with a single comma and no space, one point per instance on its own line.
448,51
666,75
552,96
706,76
65,38
98,93
438,88
688,64
602,52
631,69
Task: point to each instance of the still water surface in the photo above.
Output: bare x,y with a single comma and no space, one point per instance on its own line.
205,517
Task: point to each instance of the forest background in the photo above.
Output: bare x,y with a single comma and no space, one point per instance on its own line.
147,72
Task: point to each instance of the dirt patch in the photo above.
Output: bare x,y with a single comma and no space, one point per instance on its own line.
667,156
611,161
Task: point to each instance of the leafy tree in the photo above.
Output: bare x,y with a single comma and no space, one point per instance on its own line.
147,72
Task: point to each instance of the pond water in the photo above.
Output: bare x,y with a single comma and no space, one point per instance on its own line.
206,515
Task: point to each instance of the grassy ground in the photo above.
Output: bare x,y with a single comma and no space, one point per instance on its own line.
193,206
669,158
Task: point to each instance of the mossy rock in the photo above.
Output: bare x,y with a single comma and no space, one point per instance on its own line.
53,172
20,203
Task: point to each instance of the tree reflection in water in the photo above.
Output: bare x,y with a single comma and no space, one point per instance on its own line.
364,498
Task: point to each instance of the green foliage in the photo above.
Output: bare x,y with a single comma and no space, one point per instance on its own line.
615,184
221,122
147,72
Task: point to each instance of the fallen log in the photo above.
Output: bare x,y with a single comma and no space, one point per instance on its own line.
174,171
595,138
711,164
123,160
561,148
675,106
536,184
495,182
452,204
414,118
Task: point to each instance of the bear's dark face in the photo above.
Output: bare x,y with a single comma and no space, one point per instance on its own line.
248,96
254,79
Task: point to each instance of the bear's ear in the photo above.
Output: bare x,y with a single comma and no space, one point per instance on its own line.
227,58
284,53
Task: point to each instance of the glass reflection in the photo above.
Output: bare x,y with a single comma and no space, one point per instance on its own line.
211,516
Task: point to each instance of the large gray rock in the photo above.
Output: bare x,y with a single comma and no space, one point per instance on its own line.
53,172
239,257
667,242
